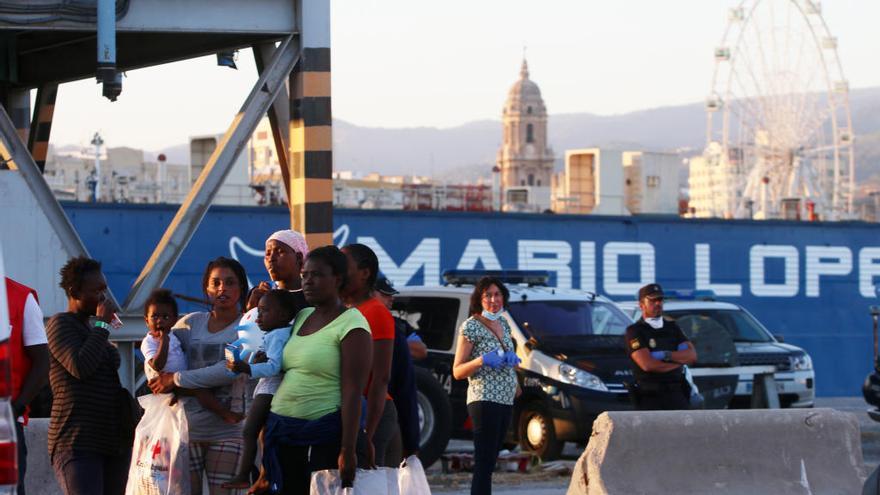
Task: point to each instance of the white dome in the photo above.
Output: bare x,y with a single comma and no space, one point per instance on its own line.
524,96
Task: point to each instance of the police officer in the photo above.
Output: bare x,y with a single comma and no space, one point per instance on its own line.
658,349
402,382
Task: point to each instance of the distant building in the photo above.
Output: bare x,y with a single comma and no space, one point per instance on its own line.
868,207
593,183
125,177
715,181
374,191
610,182
447,197
371,193
363,191
525,159
651,182
574,189
236,189
264,168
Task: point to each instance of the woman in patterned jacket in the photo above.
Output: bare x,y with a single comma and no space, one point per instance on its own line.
485,355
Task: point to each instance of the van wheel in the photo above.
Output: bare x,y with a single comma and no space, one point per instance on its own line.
435,417
537,434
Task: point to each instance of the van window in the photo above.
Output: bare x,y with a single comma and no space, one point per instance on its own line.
608,320
434,319
738,324
551,319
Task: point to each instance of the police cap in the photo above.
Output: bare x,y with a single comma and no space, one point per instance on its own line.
652,291
384,286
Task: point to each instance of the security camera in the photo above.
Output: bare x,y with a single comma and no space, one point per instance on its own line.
111,85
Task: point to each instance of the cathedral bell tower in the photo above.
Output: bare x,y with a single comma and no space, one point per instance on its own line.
525,160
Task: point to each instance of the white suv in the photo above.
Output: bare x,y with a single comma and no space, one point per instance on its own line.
755,346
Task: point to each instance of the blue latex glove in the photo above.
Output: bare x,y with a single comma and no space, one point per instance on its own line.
682,347
493,360
511,359
414,338
658,355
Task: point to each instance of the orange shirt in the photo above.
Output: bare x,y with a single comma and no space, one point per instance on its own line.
380,319
381,325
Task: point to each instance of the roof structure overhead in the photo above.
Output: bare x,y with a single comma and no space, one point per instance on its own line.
54,42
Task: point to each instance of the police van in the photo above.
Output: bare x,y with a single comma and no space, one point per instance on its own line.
700,315
573,367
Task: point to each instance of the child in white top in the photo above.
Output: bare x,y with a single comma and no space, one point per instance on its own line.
276,309
163,353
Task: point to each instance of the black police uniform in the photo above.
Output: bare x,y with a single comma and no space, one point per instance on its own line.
657,391
402,386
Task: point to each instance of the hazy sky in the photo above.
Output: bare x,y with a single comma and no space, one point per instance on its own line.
404,63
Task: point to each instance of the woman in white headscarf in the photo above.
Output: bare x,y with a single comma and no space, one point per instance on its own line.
285,252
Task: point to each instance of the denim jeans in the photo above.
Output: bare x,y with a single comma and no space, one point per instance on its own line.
490,421
90,473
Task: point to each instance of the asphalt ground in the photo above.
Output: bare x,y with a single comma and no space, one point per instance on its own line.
553,482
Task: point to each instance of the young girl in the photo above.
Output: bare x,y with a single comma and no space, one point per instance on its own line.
163,353
277,308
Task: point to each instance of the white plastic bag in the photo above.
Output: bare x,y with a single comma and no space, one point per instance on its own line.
160,456
382,481
411,478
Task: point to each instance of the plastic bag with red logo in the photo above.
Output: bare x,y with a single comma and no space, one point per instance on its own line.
160,456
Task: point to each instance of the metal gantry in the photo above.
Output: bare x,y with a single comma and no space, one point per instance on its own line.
54,43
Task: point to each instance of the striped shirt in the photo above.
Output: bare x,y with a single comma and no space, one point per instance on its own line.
85,387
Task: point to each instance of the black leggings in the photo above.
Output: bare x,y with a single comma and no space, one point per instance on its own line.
297,465
490,421
90,473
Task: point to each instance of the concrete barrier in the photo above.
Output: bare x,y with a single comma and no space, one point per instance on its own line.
780,452
40,478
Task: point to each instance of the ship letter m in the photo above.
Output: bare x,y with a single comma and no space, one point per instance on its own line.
426,255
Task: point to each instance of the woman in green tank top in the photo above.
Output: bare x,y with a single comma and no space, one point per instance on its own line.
315,414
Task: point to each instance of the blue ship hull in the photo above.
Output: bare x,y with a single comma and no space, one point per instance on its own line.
811,282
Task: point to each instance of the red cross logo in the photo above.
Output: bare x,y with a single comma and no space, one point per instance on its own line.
157,449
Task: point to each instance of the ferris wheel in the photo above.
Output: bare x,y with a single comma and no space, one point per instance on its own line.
778,114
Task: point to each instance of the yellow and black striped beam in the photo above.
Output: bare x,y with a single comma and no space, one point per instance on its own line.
311,148
18,105
41,125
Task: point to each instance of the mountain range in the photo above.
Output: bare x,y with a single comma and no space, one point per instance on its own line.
467,151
